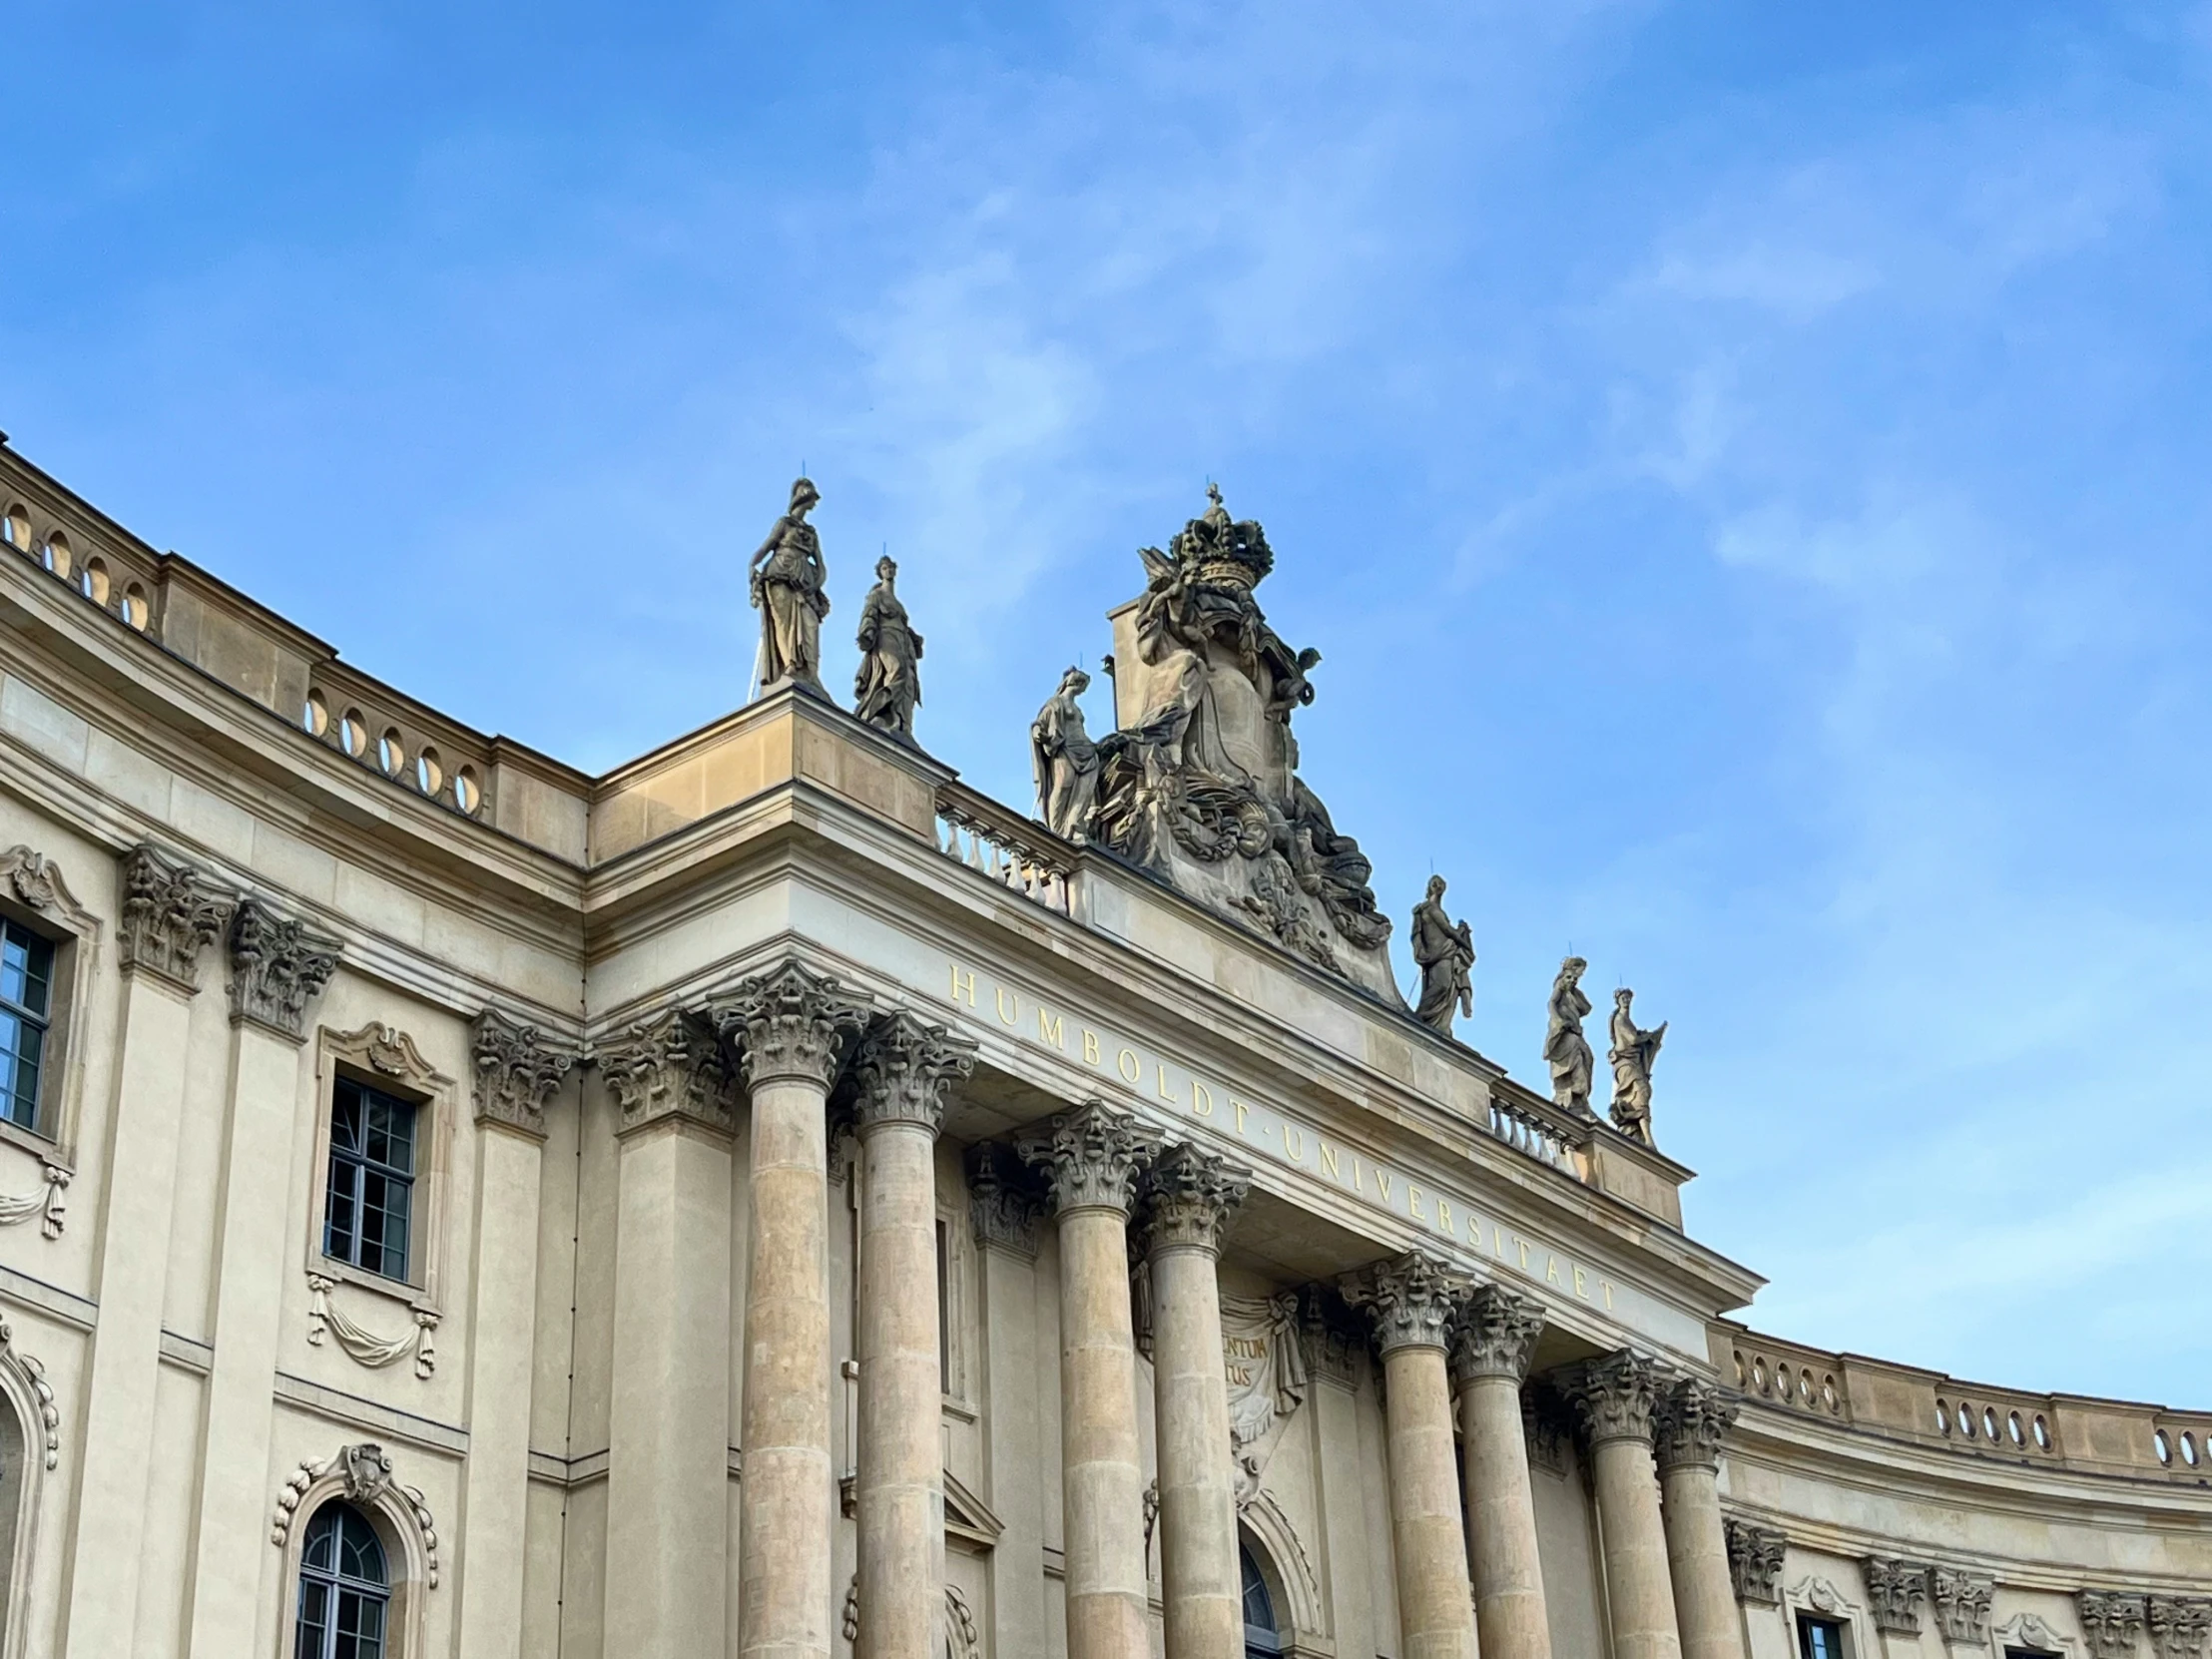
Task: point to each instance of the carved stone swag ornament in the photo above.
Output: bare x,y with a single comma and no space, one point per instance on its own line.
362,1345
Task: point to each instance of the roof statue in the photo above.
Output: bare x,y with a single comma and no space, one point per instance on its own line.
1566,1050
1065,759
1199,785
1444,952
787,582
888,689
1633,1053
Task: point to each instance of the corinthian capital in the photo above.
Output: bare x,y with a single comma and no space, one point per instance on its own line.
1616,1396
1896,1591
2180,1626
277,966
1496,1335
1091,1157
1411,1302
1755,1557
670,1067
2111,1621
517,1071
1189,1197
789,1025
904,1068
170,912
1691,1421
1961,1604
1002,1205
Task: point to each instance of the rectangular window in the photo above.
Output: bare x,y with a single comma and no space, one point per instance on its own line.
26,1005
1820,1638
369,1202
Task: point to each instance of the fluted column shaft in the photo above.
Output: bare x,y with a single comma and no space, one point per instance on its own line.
1091,1158
904,1068
1614,1398
1691,1420
790,1022
1412,1302
1190,1197
1491,1354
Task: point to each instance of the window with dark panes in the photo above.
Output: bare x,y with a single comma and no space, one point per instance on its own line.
369,1204
26,1005
345,1589
1820,1638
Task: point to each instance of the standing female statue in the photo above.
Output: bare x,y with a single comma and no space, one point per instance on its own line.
1065,759
1443,951
787,584
1566,1050
1633,1055
887,689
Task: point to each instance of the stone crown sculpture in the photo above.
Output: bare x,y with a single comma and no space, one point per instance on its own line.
1200,782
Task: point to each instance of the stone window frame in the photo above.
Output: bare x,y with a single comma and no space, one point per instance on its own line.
1819,1596
960,1302
403,1525
30,1446
35,894
387,1059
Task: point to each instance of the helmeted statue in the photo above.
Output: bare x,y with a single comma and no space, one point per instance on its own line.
1633,1053
786,588
1566,1050
1065,759
1444,952
888,689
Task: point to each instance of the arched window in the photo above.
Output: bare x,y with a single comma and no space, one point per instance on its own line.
1262,1636
345,1589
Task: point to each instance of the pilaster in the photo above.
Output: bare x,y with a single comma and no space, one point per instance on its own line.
518,1072
2111,1621
171,913
1961,1604
1755,1559
2180,1627
1895,1593
670,1069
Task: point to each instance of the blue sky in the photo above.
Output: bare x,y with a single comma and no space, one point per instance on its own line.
1737,464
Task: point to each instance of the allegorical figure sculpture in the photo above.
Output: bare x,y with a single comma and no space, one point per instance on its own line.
1444,952
1632,1054
887,689
1566,1050
787,585
1065,759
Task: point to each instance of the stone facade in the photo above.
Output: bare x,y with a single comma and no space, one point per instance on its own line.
772,1199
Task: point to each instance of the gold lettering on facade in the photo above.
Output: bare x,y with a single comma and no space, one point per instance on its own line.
1294,1143
1126,1063
1053,1035
1579,1289
1201,1100
1090,1048
1412,1201
963,982
1443,1216
1551,1270
1328,1164
1606,1285
1009,1006
1382,1182
1240,1109
1523,1243
1160,1081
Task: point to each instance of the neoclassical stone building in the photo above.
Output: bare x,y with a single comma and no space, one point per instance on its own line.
773,1199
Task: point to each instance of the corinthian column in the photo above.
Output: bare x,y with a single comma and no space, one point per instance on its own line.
788,1027
1614,1398
1692,1418
1190,1197
1091,1158
1489,1356
902,1068
1411,1303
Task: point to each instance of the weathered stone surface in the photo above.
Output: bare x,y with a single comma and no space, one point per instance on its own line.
518,1070
277,966
172,912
